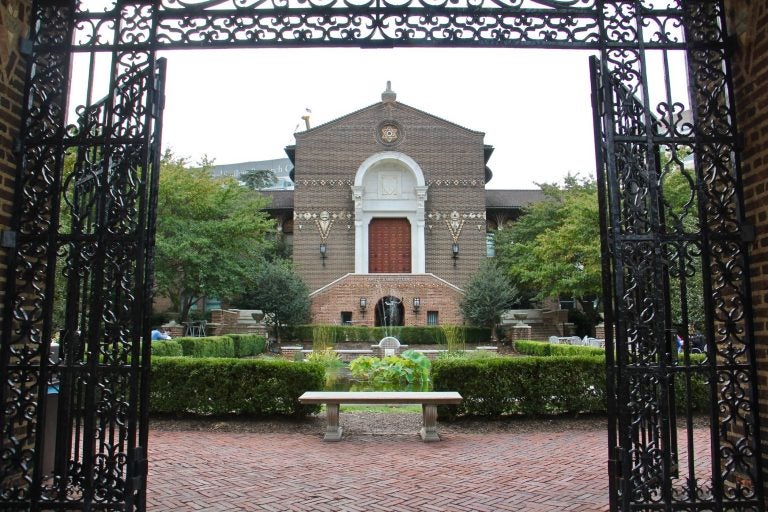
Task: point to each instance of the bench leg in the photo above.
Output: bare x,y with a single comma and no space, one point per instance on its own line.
429,423
332,429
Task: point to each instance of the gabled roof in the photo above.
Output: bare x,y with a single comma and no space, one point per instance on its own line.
399,104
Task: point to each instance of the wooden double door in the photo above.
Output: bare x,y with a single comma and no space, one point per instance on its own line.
389,245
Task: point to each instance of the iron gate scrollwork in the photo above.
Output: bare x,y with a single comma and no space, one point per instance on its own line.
673,225
74,425
673,239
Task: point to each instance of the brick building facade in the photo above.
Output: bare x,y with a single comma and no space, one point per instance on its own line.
386,192
750,68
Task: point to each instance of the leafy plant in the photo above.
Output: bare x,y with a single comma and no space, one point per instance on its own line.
408,368
422,363
327,358
454,338
323,337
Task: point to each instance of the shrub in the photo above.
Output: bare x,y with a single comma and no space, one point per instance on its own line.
428,335
539,385
166,348
533,385
538,348
246,345
327,358
251,387
408,368
323,337
454,338
208,346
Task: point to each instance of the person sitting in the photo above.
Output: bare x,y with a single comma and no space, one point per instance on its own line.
157,334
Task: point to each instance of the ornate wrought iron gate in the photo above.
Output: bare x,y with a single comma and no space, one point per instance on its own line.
674,246
74,426
86,234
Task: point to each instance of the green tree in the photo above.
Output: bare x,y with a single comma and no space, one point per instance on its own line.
211,234
257,179
281,294
554,249
488,294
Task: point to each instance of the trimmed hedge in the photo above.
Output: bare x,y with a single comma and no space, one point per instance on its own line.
166,348
431,335
538,348
210,386
524,385
208,346
538,385
230,345
247,345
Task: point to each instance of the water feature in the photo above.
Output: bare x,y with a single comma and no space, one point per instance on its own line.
389,314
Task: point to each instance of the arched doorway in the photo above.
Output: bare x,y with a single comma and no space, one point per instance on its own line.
389,312
104,229
389,185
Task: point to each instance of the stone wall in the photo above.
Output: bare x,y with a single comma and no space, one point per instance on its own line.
749,24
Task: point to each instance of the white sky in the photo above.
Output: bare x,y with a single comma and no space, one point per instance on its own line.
533,106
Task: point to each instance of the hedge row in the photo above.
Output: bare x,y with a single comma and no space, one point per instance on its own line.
432,335
247,345
211,386
538,348
537,385
230,345
166,348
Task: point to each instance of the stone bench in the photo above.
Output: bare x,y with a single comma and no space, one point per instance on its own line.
429,401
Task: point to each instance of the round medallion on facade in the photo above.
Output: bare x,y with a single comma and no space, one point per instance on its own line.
389,133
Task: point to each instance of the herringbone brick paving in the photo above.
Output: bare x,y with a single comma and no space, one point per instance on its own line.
498,471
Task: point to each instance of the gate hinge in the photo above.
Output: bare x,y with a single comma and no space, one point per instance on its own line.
8,239
25,46
748,233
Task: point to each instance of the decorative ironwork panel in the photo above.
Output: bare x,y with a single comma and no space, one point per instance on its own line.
75,410
674,237
678,294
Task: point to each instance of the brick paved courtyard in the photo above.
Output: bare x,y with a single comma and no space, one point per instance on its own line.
382,465
534,471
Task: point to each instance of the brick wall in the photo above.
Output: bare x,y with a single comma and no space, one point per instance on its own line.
14,23
345,294
14,20
749,23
